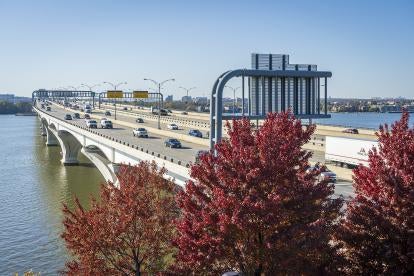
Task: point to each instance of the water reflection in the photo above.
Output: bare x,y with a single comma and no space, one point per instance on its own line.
33,186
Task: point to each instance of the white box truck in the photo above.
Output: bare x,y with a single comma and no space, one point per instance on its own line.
348,151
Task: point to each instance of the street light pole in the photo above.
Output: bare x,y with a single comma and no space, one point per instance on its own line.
115,86
160,98
187,90
90,87
234,97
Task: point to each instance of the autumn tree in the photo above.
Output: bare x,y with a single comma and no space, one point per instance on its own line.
129,231
253,208
377,233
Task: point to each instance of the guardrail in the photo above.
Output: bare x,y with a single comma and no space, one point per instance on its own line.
133,146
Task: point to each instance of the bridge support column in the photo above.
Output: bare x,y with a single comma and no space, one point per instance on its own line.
43,131
51,139
70,148
106,167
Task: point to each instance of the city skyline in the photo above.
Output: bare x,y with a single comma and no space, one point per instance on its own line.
48,45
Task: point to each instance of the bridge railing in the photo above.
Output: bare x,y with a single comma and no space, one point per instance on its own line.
133,146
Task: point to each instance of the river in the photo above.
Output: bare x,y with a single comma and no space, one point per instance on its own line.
33,186
370,120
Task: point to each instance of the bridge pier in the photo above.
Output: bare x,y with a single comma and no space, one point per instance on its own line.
43,131
70,148
106,167
51,139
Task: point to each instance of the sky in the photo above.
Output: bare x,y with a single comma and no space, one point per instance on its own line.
367,45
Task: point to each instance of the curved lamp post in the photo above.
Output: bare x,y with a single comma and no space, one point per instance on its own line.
187,90
115,86
160,99
234,96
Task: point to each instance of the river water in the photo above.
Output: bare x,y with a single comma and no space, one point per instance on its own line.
33,186
370,120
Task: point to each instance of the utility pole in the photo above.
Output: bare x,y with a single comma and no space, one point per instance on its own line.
90,87
234,97
115,86
187,91
160,99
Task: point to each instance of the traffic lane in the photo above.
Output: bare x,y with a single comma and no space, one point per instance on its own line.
154,124
170,116
182,129
345,189
154,143
177,114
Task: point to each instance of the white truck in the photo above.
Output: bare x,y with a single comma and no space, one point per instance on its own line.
348,151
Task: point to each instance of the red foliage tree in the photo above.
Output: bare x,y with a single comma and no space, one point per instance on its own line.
377,233
129,231
253,208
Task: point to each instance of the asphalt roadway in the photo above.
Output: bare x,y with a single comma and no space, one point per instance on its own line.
155,142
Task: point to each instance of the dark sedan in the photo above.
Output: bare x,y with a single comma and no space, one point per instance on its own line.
173,143
195,133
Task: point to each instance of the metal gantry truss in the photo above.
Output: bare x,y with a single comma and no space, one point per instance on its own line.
63,95
216,101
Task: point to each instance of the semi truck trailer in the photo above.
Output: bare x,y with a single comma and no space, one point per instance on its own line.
348,151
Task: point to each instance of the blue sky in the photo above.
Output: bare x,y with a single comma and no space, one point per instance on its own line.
368,45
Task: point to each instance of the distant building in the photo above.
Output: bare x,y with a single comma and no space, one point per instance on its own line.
7,97
169,98
201,100
186,99
13,99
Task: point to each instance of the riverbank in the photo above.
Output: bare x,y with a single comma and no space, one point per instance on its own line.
26,114
8,108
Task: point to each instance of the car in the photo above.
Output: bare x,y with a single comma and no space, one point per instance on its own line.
325,174
125,108
106,123
195,133
139,120
172,126
107,113
172,143
88,110
76,116
87,116
42,106
140,132
199,154
351,130
68,117
162,112
328,175
91,124
48,108
169,111
184,113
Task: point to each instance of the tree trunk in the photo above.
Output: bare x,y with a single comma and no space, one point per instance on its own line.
258,271
137,268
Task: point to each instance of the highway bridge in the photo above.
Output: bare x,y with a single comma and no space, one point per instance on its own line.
107,148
